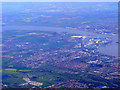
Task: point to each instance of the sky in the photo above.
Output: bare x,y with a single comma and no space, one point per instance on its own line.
60,0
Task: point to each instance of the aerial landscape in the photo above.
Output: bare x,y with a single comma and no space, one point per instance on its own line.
59,45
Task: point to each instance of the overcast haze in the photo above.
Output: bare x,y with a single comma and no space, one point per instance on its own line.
59,0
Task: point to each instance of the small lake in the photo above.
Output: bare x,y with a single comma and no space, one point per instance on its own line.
5,76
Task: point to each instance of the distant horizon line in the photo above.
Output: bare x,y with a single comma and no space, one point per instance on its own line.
60,1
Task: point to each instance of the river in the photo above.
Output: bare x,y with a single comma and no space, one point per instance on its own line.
111,49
